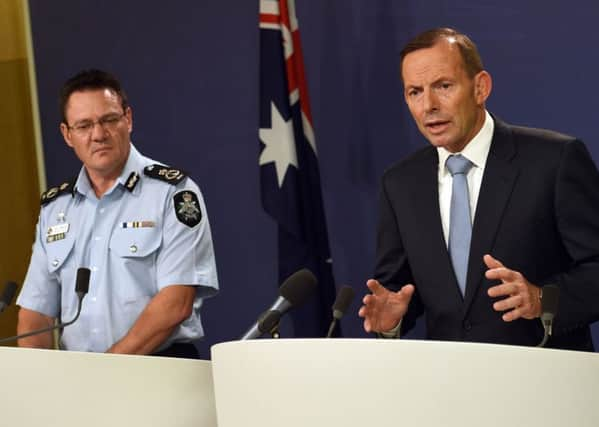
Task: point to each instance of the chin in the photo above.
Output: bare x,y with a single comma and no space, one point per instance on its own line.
435,142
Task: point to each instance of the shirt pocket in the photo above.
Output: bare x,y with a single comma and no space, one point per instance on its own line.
135,242
63,266
60,259
133,253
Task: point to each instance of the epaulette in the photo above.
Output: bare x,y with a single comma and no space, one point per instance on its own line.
53,193
165,173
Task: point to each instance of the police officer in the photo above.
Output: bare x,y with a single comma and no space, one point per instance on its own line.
140,227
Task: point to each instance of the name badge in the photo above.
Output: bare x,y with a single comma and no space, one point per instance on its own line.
57,232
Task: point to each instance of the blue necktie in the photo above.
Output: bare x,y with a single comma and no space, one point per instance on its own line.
460,226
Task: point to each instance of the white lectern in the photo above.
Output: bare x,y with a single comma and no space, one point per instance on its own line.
362,383
63,389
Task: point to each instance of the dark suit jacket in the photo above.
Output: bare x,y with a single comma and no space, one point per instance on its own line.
537,212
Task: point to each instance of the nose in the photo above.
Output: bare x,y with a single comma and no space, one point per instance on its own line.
430,100
98,132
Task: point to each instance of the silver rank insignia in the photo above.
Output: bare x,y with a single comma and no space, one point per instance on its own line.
132,181
187,208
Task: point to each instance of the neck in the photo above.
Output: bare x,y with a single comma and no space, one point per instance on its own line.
101,184
102,181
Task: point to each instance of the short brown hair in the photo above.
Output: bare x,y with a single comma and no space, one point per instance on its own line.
473,64
90,80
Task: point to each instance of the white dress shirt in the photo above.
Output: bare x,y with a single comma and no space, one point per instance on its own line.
476,151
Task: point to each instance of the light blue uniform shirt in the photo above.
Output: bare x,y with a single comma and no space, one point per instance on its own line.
134,244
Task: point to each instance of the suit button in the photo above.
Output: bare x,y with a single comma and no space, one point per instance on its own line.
467,325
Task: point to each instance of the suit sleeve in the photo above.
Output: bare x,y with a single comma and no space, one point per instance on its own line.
577,214
392,266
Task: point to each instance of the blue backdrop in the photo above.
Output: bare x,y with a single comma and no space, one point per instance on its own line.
191,71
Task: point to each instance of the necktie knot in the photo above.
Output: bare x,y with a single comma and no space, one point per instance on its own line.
458,164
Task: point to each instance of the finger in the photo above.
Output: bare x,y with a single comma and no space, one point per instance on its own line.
374,286
512,315
492,262
362,311
508,303
504,289
501,273
408,290
367,326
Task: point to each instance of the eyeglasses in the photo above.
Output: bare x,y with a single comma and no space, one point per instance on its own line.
108,122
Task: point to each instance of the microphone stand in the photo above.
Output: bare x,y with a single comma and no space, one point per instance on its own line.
332,328
81,288
47,329
274,332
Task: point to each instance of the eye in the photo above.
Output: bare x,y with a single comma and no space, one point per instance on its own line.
83,126
109,120
445,85
413,92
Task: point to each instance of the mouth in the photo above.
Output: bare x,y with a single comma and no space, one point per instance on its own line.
437,126
101,149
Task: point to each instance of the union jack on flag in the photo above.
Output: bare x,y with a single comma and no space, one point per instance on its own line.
289,174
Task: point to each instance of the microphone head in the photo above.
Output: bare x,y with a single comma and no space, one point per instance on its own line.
343,301
297,288
9,293
82,282
550,299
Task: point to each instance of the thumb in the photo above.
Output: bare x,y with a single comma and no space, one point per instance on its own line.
408,290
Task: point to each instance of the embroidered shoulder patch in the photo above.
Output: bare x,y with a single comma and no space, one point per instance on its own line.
53,193
164,173
187,208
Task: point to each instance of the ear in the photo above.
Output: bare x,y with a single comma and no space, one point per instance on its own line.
129,117
482,86
65,134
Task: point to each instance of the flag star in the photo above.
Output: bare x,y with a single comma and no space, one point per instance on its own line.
279,144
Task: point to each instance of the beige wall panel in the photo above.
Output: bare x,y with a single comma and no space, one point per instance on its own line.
19,185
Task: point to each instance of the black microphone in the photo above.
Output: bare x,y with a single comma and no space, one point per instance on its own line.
269,323
294,291
81,288
9,293
549,304
342,303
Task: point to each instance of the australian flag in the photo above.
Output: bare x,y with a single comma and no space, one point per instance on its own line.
289,175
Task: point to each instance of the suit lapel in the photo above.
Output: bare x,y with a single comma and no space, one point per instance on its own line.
426,198
498,182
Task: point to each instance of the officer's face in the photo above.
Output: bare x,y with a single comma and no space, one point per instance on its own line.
98,130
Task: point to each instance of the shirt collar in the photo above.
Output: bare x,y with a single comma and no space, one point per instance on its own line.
134,164
476,150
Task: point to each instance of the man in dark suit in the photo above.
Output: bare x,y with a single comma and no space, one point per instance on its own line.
531,200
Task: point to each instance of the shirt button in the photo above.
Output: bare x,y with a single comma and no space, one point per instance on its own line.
467,325
133,249
54,263
94,299
102,210
97,238
94,268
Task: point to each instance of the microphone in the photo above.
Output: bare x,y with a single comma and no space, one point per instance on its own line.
9,293
549,304
269,322
81,288
342,303
294,291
